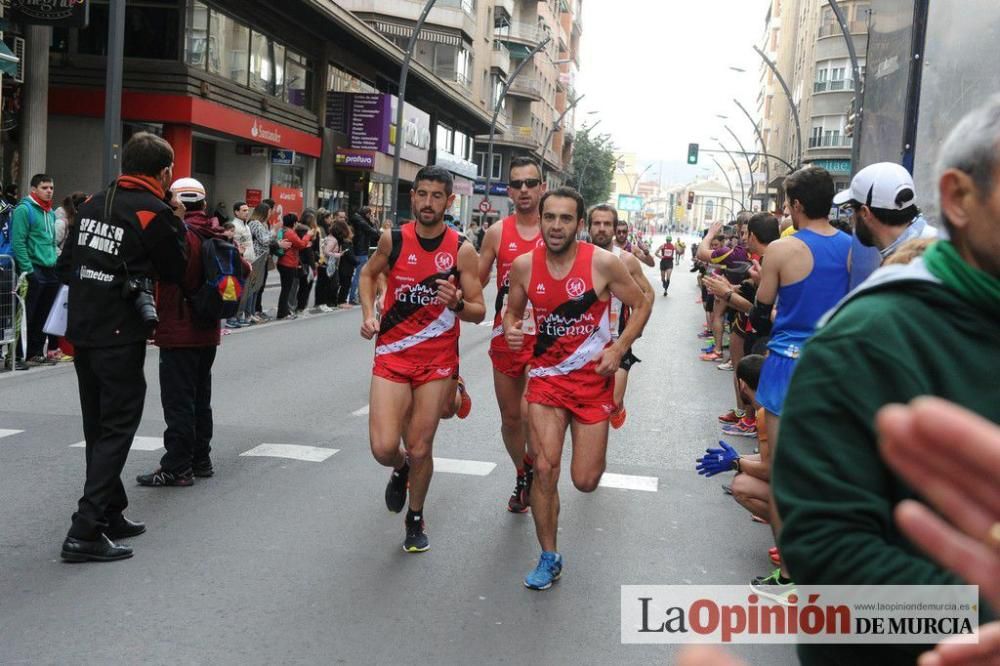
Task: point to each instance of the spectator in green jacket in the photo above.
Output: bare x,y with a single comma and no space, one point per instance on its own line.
929,328
33,239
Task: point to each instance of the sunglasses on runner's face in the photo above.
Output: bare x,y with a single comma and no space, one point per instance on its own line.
532,183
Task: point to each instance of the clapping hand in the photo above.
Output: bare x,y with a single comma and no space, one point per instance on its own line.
717,460
449,293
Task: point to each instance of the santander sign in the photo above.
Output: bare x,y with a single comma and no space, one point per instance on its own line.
264,133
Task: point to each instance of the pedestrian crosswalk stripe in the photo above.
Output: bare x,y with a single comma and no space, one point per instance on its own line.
293,451
360,412
628,482
138,444
8,433
455,466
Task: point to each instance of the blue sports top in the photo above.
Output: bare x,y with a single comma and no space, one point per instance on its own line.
800,305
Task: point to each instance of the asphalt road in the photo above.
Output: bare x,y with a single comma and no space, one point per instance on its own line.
289,561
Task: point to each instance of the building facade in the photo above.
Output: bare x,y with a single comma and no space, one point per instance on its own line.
805,41
294,101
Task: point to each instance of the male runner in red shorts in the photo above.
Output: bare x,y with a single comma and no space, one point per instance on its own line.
504,242
603,225
571,380
431,283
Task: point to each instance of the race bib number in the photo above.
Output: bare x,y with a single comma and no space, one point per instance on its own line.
615,317
528,319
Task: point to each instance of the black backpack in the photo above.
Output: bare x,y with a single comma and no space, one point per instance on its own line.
219,296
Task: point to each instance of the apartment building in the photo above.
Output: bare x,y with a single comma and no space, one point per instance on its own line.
804,40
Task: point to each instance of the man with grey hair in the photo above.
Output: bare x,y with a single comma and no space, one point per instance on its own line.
925,328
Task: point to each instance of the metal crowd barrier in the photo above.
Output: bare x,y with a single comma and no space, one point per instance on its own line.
8,303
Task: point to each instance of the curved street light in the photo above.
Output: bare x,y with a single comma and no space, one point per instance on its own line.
763,147
404,72
858,89
791,101
746,155
743,190
729,183
496,111
552,130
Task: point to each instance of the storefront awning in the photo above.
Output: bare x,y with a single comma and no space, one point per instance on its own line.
8,61
517,51
397,30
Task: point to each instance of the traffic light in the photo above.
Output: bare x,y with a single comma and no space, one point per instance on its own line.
690,199
692,153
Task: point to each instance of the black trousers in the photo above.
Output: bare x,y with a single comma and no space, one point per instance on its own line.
305,287
112,392
289,276
322,287
43,286
259,303
186,396
333,290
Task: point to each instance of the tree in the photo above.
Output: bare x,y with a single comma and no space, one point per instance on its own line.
593,166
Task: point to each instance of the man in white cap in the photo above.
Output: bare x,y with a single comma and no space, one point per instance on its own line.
883,200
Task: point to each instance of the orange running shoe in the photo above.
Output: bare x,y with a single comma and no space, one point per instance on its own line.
466,406
617,418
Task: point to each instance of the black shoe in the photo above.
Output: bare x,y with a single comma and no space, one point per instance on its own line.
19,364
203,469
395,490
162,477
518,502
416,540
123,528
101,550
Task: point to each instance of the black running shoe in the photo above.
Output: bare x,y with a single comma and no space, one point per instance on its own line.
395,490
202,469
416,540
162,477
518,502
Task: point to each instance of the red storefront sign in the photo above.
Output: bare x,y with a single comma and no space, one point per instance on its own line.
287,200
254,197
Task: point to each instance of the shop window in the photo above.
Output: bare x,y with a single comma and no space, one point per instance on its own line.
203,157
151,28
228,48
298,79
261,63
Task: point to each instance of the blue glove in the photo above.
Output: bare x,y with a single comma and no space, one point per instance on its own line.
717,460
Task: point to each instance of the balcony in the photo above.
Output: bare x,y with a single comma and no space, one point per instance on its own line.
454,14
840,85
458,80
526,86
832,141
833,29
525,34
500,57
503,7
522,135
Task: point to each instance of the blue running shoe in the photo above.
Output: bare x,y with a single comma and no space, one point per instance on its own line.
548,571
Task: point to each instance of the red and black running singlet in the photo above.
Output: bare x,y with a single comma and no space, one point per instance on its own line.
413,322
572,323
511,247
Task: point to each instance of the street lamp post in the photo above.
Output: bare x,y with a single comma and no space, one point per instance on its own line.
496,112
552,130
726,176
746,155
763,147
113,91
791,101
858,89
743,189
404,72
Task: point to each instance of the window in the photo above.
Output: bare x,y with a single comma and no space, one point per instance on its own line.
463,146
196,41
228,48
445,139
150,30
278,57
261,70
497,166
298,79
710,209
342,81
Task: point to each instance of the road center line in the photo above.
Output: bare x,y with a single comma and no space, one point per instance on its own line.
456,466
8,433
628,482
293,451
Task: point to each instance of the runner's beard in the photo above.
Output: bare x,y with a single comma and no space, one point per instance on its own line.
560,249
435,221
604,243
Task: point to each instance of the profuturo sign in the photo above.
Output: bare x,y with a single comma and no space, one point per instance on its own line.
66,13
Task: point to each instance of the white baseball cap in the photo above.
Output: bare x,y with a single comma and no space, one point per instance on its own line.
188,190
885,185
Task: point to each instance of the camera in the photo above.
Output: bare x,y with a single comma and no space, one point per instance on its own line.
140,292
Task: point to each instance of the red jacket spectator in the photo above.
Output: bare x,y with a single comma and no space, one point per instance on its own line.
177,327
290,258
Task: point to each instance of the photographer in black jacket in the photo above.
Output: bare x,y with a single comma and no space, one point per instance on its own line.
125,238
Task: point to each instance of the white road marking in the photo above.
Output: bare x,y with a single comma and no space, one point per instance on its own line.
8,433
628,482
293,451
455,466
360,412
138,444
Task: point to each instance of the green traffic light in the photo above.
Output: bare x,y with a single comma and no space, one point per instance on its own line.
692,153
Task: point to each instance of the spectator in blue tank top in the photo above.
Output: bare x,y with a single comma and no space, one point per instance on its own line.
802,276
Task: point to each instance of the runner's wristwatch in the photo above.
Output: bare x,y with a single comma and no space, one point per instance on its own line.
458,306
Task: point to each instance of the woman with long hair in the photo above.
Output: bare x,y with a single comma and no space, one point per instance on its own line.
262,239
288,262
308,258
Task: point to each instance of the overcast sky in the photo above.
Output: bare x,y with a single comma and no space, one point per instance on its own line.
656,73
